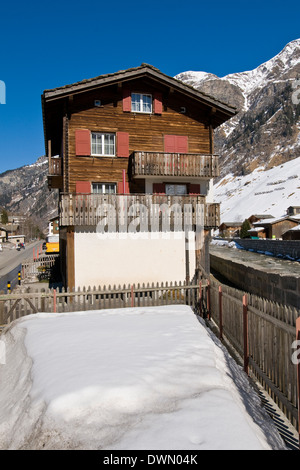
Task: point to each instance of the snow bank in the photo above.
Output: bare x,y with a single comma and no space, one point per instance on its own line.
143,378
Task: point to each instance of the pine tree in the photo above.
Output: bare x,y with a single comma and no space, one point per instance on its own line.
4,217
244,229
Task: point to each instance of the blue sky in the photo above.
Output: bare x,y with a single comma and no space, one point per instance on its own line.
45,45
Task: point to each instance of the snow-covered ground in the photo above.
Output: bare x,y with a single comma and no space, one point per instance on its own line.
261,192
125,379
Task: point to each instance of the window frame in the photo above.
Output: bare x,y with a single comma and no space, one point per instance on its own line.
142,103
103,134
98,183
175,192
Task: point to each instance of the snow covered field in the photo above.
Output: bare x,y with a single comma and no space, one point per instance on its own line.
125,379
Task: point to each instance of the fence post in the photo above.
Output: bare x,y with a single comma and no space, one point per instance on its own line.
1,309
298,373
200,298
220,313
54,300
208,299
132,298
245,329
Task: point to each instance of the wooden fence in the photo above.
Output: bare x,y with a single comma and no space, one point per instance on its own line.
21,303
35,267
262,333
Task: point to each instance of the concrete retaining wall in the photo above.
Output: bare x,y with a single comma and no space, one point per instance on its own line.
280,287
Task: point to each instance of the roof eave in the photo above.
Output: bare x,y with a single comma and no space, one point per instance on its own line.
123,76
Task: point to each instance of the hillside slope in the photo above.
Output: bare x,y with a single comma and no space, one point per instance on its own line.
25,191
261,192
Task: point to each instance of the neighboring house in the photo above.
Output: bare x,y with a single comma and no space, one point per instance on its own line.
257,232
17,219
129,153
16,239
275,228
230,229
257,217
3,234
292,234
11,229
293,210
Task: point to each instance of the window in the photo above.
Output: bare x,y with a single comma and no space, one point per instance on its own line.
104,188
141,103
176,189
103,144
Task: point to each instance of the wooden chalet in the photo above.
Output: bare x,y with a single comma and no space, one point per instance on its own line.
135,138
257,217
292,234
230,229
293,210
275,227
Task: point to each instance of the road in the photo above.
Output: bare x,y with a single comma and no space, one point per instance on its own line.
11,260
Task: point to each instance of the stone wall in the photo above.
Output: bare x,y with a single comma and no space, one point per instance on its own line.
282,248
271,283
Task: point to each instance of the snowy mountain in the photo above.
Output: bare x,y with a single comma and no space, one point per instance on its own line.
265,132
261,192
25,191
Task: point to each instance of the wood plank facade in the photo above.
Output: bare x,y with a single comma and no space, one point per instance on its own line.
136,131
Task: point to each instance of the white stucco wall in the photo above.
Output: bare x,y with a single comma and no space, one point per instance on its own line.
129,260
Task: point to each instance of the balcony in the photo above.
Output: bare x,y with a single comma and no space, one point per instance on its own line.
55,179
153,211
174,164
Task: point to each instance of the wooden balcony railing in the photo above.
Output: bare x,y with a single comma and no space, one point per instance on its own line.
153,210
174,164
55,166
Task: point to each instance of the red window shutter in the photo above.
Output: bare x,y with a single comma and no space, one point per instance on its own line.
176,143
123,144
170,143
83,187
120,188
181,144
194,189
83,142
126,100
157,103
159,188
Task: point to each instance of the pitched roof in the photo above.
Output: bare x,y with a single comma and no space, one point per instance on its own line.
262,216
129,74
273,221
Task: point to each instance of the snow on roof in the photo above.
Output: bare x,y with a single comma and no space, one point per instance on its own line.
296,228
273,220
257,229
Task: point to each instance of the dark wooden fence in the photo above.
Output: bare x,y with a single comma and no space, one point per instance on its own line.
262,333
35,267
21,303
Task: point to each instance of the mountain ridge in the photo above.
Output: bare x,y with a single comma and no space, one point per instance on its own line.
265,132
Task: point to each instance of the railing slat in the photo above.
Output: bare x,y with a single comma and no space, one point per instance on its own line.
174,164
90,209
